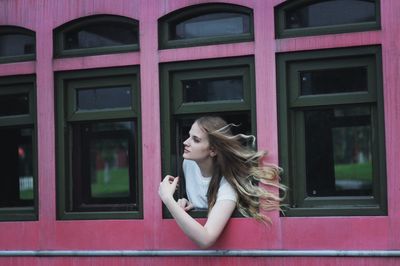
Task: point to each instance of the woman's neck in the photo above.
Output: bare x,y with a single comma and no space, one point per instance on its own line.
206,167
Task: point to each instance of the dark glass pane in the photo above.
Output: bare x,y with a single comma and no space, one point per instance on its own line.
101,34
16,162
327,13
333,80
103,98
14,104
16,44
216,89
215,24
338,152
104,164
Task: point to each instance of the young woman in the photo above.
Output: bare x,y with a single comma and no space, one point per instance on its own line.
221,174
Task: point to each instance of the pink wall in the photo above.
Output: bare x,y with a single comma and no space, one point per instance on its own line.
153,232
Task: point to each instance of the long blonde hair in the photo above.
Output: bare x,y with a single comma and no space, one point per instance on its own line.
242,169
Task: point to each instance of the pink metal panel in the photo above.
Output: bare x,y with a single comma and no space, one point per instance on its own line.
391,84
154,232
20,68
184,261
46,129
328,41
151,137
86,62
210,51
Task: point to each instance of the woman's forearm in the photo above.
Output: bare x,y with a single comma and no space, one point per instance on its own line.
194,230
203,236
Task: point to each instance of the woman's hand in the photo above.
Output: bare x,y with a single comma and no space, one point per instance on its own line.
185,204
167,187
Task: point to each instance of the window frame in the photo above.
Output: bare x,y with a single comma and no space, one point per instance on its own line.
170,108
58,33
25,83
281,32
164,26
292,135
66,115
18,58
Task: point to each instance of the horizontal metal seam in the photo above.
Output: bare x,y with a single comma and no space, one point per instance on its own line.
200,253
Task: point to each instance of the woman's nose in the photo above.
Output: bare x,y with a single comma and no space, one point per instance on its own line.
186,142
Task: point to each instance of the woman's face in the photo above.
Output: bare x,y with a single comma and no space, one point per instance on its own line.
197,147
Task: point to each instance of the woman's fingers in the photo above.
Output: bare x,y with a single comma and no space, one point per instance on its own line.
185,204
169,178
189,206
175,182
167,188
181,203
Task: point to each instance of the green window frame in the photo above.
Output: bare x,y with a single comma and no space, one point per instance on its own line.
167,24
76,197
14,30
24,192
282,30
118,21
178,115
293,135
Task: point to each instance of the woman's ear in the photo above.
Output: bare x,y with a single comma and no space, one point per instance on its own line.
213,152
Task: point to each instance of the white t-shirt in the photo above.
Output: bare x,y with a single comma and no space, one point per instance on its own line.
197,186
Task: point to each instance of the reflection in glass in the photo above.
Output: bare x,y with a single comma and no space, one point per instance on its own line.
16,161
328,12
101,161
25,166
352,157
217,89
101,34
111,178
338,152
103,98
13,44
334,80
215,24
14,104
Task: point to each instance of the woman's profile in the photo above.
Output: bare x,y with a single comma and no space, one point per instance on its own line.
221,174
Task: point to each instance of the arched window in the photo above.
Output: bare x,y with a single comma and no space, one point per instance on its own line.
297,18
98,34
16,44
206,24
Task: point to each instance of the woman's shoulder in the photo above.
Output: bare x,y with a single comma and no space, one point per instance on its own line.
226,191
224,183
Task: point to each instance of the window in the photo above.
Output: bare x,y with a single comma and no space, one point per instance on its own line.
331,131
98,137
18,183
206,24
98,34
16,44
300,17
223,87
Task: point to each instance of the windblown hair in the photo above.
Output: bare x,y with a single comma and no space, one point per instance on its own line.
242,168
